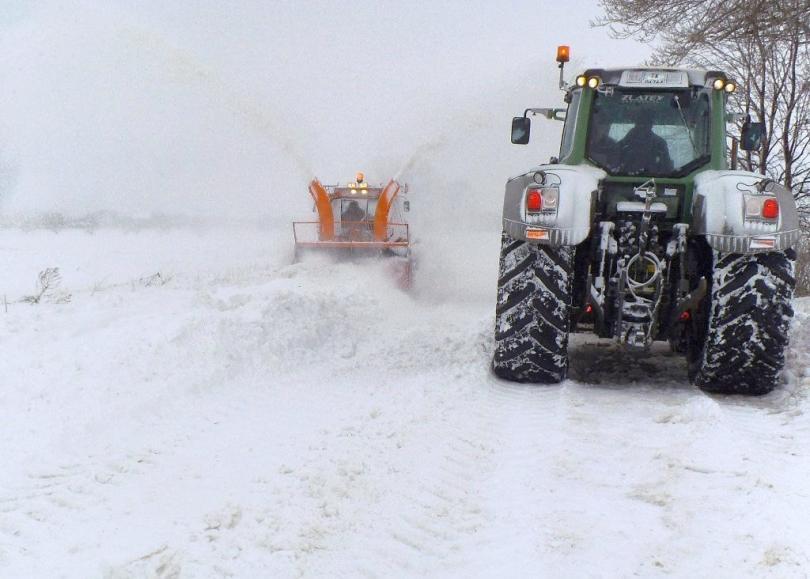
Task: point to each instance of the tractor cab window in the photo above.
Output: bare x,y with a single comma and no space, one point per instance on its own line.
567,143
654,133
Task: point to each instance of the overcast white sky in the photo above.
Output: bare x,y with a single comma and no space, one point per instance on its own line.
209,106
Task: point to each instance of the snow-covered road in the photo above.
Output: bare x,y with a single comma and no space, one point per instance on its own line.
239,416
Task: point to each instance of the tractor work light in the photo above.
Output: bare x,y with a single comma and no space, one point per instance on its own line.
563,53
594,81
718,84
582,80
730,87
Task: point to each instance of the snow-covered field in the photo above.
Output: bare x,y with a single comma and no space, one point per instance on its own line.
240,416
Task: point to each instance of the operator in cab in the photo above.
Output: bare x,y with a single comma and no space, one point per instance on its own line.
359,181
352,213
353,221
641,150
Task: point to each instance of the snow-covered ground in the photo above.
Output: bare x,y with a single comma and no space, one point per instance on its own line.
240,416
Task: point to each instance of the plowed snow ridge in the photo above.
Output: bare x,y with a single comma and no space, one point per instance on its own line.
243,417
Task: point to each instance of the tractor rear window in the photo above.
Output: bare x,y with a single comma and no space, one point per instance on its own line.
654,133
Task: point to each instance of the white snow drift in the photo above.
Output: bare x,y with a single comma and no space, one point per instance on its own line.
240,416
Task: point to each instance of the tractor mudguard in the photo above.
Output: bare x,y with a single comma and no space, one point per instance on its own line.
569,202
729,209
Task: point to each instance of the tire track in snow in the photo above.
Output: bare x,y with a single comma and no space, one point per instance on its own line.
631,436
440,511
51,499
560,462
531,463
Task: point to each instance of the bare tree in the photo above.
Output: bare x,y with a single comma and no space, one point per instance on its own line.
803,267
776,89
684,25
763,44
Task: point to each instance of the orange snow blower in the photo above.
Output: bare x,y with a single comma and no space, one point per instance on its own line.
358,220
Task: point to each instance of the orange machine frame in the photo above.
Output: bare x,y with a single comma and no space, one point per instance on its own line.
381,226
325,215
384,203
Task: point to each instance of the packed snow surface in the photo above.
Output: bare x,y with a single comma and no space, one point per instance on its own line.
187,402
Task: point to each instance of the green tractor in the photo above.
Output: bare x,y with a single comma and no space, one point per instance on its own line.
639,232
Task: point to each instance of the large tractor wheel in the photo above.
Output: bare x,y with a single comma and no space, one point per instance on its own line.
533,312
743,323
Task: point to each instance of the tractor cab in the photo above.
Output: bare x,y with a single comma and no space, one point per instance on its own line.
637,124
354,209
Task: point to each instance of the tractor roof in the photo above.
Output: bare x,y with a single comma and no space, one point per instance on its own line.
655,77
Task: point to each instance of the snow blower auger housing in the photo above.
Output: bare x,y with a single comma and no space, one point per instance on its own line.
358,220
639,231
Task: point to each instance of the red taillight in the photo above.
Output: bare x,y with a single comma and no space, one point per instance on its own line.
770,209
685,316
534,201
588,309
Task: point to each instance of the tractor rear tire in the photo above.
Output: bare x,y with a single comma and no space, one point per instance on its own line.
745,320
532,316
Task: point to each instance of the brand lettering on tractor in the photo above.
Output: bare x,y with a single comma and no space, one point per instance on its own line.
642,98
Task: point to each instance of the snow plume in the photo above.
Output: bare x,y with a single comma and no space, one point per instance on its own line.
102,111
456,177
226,111
256,116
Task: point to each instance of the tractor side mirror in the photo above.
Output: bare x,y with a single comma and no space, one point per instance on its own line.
521,127
751,136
